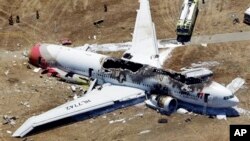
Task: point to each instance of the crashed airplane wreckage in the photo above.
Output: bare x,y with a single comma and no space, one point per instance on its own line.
127,80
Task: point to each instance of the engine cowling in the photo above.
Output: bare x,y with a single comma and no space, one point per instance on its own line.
163,103
168,103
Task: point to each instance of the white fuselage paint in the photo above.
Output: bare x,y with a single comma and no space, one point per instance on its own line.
82,62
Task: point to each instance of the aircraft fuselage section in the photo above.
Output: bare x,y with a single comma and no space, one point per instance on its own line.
148,78
121,72
144,77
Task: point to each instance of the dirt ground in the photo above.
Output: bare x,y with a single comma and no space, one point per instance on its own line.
74,20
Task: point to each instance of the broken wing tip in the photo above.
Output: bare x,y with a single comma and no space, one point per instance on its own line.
22,133
24,129
17,134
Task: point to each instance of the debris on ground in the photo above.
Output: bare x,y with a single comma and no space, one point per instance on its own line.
17,19
73,88
75,96
9,120
13,80
28,67
118,120
182,111
207,64
37,14
234,18
144,132
11,20
77,91
25,53
9,132
36,69
66,41
139,115
105,8
204,44
26,103
98,22
6,72
188,120
163,120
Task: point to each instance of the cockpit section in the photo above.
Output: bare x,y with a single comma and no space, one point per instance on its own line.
189,77
121,64
228,97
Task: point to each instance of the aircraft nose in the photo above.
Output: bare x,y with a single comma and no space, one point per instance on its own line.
233,101
229,98
225,96
34,55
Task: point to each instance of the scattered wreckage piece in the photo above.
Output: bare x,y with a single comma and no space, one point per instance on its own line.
163,120
9,120
98,22
65,76
144,132
123,120
37,69
26,103
66,41
182,111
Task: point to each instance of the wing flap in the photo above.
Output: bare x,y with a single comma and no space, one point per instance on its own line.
96,99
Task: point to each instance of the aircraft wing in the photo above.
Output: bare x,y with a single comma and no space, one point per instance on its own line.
236,84
144,44
96,99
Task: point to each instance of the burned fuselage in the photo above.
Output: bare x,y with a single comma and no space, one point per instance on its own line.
152,80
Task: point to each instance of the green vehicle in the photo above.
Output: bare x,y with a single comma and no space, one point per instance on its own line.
187,18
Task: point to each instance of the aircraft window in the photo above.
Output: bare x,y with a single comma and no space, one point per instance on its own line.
122,64
228,97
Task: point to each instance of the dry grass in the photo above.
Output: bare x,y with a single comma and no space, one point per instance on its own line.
74,19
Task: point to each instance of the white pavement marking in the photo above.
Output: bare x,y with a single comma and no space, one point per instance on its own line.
219,38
